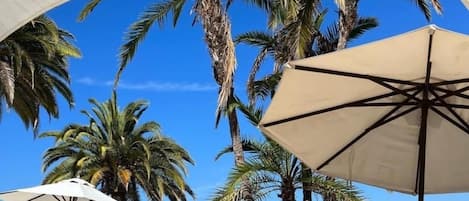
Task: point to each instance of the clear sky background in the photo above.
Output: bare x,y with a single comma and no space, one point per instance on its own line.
172,70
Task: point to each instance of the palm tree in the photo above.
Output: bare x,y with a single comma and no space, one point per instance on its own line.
33,67
281,13
217,31
271,169
298,39
119,156
348,16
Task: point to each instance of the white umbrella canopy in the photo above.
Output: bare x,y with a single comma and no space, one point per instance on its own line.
66,190
16,13
391,113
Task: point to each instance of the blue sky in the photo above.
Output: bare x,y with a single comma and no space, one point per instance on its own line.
172,70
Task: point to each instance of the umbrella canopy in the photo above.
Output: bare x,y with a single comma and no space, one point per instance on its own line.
466,3
16,13
391,113
67,190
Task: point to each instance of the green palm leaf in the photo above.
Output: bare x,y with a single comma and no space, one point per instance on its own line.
33,61
156,13
88,9
119,155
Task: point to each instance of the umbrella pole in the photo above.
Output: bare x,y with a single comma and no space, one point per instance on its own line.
425,105
422,147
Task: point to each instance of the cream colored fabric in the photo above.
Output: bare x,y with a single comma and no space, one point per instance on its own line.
465,3
16,13
387,156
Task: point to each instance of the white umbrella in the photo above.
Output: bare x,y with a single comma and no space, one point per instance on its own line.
16,13
67,190
391,113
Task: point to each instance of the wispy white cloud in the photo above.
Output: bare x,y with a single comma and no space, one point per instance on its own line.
167,86
151,85
86,81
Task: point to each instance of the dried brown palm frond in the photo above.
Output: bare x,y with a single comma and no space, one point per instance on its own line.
217,29
7,81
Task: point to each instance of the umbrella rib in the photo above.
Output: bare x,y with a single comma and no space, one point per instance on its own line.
56,197
384,84
383,120
450,93
329,109
458,106
34,198
355,75
448,82
382,104
455,123
442,101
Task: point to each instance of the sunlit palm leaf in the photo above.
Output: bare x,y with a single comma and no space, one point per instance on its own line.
364,24
37,56
88,9
156,13
116,153
7,81
424,6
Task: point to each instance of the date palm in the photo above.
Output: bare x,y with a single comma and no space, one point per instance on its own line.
273,170
115,153
298,39
282,12
348,16
33,69
269,168
217,31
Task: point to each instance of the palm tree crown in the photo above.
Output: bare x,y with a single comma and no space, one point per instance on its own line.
119,156
33,67
271,169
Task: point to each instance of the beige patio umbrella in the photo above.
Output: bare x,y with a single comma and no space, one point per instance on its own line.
66,190
391,113
465,3
16,13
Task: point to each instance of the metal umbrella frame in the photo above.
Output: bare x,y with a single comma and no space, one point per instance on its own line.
423,96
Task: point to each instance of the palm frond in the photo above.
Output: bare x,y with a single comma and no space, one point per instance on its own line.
252,75
248,146
364,24
265,88
114,151
156,13
37,57
88,9
7,80
263,40
424,6
253,114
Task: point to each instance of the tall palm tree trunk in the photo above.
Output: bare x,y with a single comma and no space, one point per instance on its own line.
307,184
235,135
348,15
288,191
217,31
